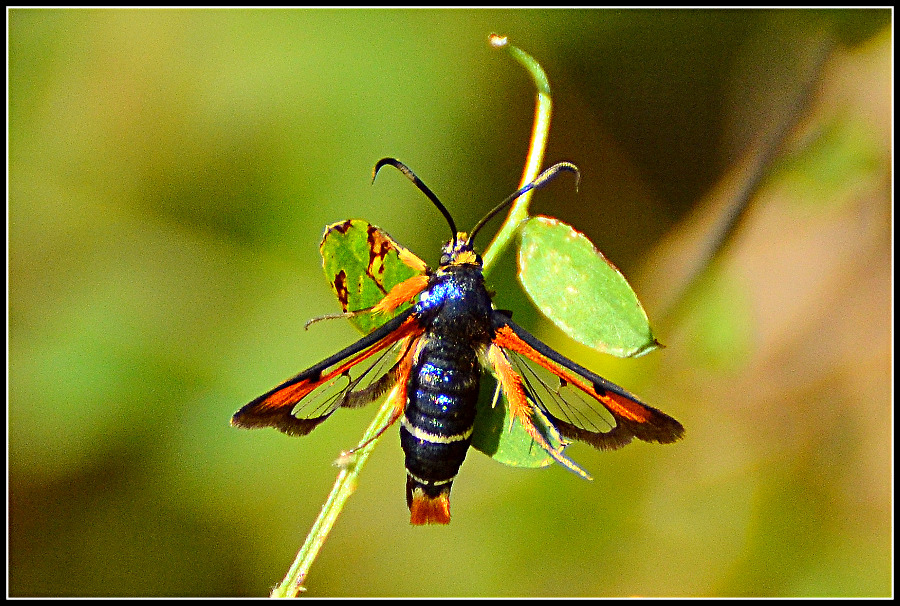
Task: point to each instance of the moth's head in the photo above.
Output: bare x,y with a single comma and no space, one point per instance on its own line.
459,251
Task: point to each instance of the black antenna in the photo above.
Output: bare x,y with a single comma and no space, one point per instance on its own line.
403,168
542,180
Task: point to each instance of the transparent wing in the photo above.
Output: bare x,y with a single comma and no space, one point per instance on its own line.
352,377
567,405
581,404
354,387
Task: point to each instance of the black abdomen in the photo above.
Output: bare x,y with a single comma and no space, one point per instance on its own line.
440,412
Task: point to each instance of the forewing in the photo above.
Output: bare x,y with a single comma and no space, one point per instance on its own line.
575,414
582,405
352,377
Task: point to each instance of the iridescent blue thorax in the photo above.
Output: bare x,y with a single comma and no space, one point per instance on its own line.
456,305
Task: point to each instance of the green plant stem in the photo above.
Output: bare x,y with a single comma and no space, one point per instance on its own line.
539,134
292,585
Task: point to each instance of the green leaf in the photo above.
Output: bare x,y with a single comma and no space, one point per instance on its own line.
509,443
584,294
362,264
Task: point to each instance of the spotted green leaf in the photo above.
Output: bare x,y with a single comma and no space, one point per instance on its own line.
584,294
362,263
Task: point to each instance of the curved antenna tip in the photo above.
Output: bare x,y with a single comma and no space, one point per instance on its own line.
541,180
409,174
392,161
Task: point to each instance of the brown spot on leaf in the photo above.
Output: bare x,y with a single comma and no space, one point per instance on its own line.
340,289
343,227
379,247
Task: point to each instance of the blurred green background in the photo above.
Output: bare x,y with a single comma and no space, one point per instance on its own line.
170,175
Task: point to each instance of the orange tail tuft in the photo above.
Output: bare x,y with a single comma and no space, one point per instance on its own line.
424,509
